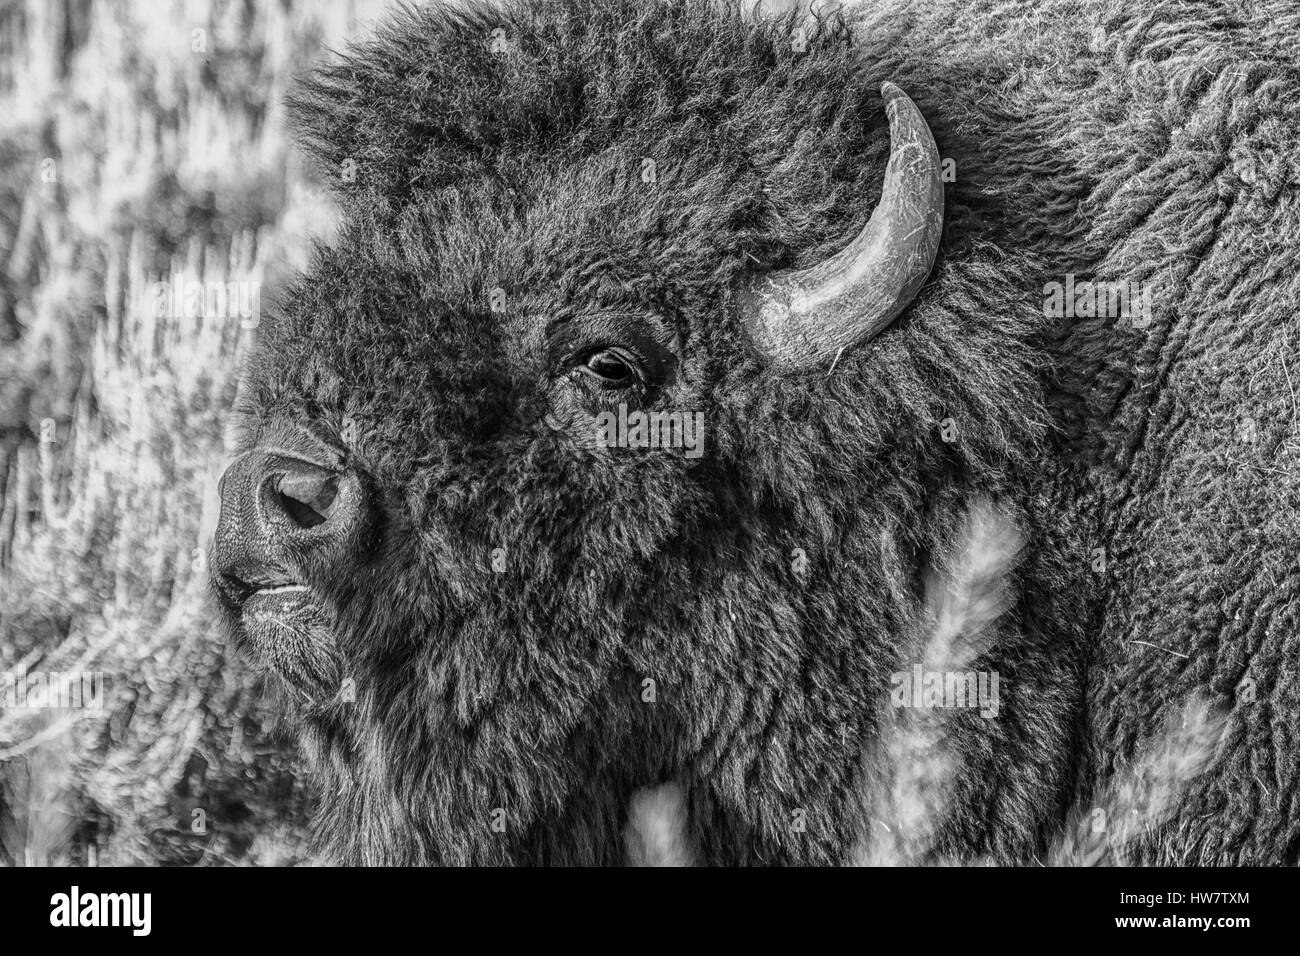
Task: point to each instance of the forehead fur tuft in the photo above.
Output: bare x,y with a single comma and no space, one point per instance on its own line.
426,108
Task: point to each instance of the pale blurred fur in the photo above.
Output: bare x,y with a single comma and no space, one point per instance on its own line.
963,603
1144,794
657,828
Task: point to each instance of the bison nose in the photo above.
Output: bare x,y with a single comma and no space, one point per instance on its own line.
286,520
306,496
293,502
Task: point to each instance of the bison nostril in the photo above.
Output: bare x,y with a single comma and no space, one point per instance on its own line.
307,498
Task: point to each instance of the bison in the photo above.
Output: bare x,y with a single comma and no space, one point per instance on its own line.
508,600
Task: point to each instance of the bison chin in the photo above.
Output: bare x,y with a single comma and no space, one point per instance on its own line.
290,634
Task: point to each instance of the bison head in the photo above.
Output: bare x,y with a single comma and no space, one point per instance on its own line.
497,626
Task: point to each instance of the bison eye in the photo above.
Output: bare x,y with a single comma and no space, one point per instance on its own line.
613,368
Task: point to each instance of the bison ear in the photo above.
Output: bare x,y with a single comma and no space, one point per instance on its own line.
800,318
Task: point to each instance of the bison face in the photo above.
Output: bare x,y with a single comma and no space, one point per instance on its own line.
496,612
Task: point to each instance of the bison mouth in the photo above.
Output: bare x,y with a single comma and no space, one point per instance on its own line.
244,587
288,630
276,605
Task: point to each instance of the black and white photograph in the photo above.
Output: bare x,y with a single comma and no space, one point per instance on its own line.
650,433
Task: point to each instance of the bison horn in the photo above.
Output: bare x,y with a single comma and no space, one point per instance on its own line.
799,318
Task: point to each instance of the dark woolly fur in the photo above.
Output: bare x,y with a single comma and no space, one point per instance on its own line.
522,690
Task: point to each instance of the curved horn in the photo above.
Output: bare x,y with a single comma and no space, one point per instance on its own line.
803,317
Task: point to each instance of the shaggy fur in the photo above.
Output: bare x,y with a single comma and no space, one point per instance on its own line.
504,716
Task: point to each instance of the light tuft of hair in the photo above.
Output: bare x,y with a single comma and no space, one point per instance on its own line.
1146,793
658,832
964,600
